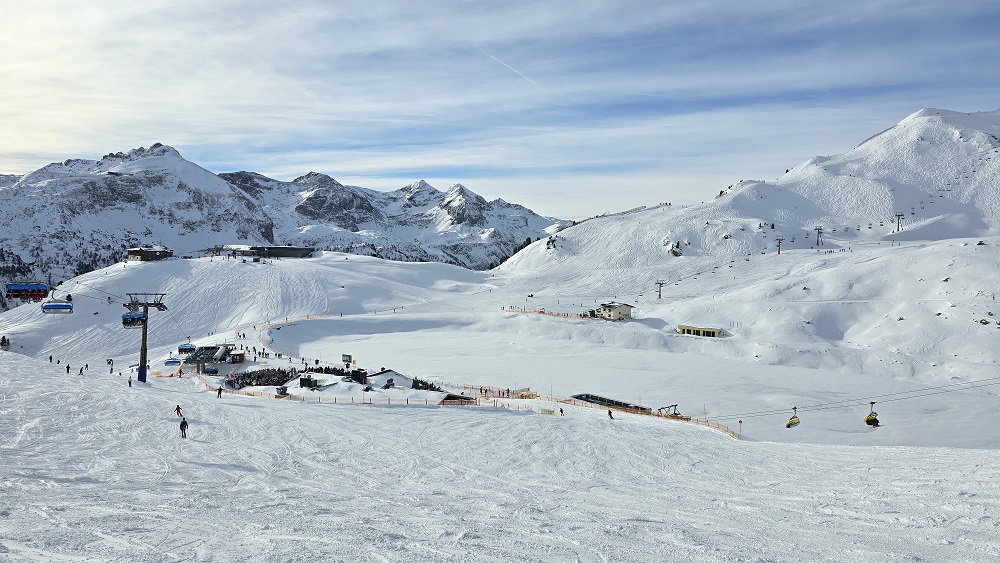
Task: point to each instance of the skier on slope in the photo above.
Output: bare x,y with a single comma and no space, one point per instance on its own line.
609,415
184,428
178,411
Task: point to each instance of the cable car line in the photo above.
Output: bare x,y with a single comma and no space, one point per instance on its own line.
865,400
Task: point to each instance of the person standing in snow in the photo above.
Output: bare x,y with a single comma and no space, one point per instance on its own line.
184,428
220,392
129,380
609,415
178,411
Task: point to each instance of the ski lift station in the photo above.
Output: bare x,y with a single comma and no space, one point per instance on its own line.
237,250
148,253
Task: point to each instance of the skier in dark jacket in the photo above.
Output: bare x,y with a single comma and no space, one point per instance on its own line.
184,428
609,415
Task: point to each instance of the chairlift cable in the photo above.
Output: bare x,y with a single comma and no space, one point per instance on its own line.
863,401
99,290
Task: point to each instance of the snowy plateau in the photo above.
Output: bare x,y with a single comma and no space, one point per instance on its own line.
891,302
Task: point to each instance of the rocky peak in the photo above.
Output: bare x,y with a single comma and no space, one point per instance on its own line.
319,180
464,207
329,200
418,186
251,183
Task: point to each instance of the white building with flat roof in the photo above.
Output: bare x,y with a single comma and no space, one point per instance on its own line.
615,311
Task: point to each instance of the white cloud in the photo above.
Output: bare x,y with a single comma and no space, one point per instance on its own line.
627,94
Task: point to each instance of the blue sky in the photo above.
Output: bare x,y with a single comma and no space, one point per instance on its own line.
570,108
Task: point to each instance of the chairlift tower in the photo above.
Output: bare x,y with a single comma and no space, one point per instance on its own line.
819,234
779,240
659,288
143,302
899,221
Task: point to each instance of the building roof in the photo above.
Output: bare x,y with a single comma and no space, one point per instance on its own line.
615,305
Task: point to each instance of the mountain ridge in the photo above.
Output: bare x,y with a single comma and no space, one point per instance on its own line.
78,215
933,175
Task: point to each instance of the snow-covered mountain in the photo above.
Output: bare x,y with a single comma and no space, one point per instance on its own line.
938,169
72,217
414,223
913,301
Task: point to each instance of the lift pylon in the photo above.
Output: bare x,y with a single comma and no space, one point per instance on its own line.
659,288
143,302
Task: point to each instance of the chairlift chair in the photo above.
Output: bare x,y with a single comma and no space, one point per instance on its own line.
794,421
27,291
133,320
57,306
872,418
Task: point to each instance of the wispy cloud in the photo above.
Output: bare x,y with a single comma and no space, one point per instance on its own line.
569,107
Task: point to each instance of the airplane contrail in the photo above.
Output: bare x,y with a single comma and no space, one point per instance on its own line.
512,68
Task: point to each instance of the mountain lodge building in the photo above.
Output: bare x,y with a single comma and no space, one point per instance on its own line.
147,253
615,311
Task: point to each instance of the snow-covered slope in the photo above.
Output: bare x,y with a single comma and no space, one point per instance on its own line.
93,468
864,290
939,169
903,319
72,217
801,328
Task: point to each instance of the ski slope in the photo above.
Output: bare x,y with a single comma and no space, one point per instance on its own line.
95,470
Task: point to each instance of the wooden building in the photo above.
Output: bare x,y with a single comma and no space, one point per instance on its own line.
148,253
237,250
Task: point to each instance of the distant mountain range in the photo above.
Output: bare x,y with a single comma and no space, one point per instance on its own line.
79,215
936,174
